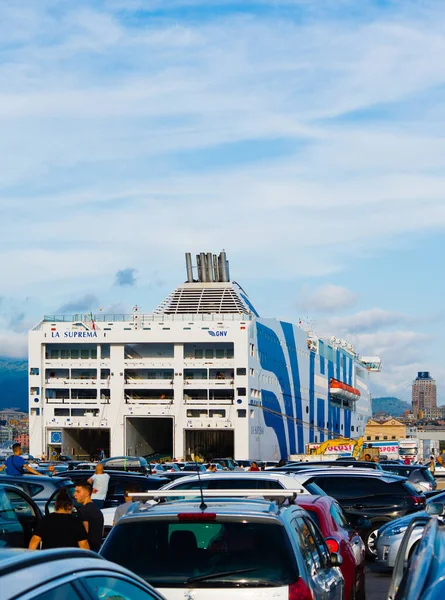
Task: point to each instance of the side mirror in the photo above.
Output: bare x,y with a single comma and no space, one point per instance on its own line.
435,509
335,559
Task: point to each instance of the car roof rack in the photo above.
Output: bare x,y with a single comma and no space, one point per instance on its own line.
291,495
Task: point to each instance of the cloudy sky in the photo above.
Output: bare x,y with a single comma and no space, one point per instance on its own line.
306,137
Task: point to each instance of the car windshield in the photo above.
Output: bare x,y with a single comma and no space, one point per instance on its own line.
167,553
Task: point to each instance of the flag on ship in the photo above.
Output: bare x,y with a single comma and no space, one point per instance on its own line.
93,324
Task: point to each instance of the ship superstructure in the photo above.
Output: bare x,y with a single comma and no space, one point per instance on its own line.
202,376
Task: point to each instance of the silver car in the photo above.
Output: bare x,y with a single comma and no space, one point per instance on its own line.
67,574
390,537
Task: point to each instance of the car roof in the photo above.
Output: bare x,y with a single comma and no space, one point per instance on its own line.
111,472
41,478
409,467
381,475
228,507
266,475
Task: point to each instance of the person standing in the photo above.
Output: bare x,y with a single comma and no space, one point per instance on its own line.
100,482
60,529
16,464
432,465
90,514
122,509
254,467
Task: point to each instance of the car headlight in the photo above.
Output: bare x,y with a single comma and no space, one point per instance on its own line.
395,530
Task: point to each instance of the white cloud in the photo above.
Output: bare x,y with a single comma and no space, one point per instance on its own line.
327,298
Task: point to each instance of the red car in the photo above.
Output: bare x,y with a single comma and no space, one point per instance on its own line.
340,537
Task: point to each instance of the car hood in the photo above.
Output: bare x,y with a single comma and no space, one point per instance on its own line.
406,520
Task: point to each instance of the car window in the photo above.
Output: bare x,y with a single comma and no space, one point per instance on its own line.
61,592
352,487
233,484
34,489
314,516
112,588
169,551
6,511
308,546
20,505
338,515
320,543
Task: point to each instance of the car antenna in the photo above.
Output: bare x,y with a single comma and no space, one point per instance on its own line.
203,505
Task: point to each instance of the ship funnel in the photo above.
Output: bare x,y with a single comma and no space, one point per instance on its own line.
188,263
210,267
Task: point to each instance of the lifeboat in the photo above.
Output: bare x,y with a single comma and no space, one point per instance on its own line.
343,391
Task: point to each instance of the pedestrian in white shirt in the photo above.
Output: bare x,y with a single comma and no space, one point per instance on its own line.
99,481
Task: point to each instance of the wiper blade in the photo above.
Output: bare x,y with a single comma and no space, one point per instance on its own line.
221,574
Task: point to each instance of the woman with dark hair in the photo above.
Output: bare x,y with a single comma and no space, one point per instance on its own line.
60,529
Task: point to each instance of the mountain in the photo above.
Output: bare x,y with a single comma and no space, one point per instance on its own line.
14,384
389,405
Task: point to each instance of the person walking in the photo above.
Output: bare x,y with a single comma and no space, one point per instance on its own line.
16,464
432,465
60,529
90,514
100,482
122,509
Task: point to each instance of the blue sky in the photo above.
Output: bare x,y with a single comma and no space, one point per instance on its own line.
304,137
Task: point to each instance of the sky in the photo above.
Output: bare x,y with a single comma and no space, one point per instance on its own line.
305,137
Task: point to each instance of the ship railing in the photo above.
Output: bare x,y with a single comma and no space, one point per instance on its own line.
147,318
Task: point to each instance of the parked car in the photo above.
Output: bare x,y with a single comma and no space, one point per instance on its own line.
353,464
390,536
194,466
126,463
39,487
118,481
236,480
419,575
68,574
226,463
374,495
172,466
419,476
239,549
340,536
19,515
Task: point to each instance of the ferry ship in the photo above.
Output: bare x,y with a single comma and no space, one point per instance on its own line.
203,376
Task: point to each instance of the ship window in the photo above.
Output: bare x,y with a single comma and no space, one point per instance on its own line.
61,412
377,437
229,353
241,371
219,353
94,353
209,353
64,354
218,413
352,427
34,371
242,413
35,412
35,391
307,409
241,391
252,350
252,372
105,350
54,354
198,353
368,437
75,354
84,354
385,437
393,437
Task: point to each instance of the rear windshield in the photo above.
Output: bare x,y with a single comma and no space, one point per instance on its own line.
167,553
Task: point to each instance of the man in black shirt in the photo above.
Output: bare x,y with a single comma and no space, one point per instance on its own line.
60,529
92,517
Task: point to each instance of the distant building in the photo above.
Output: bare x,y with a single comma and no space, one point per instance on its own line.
390,429
22,439
424,396
5,434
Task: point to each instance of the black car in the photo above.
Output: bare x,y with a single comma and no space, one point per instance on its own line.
378,498
39,487
126,463
418,475
354,464
119,480
19,515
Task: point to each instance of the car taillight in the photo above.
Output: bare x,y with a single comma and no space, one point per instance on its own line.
418,500
202,516
300,590
332,544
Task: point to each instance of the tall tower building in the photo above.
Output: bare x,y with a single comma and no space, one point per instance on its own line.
424,394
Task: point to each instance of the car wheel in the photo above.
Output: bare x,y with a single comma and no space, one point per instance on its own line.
370,539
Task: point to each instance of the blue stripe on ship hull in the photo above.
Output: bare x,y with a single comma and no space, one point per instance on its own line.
275,421
289,336
321,418
311,395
